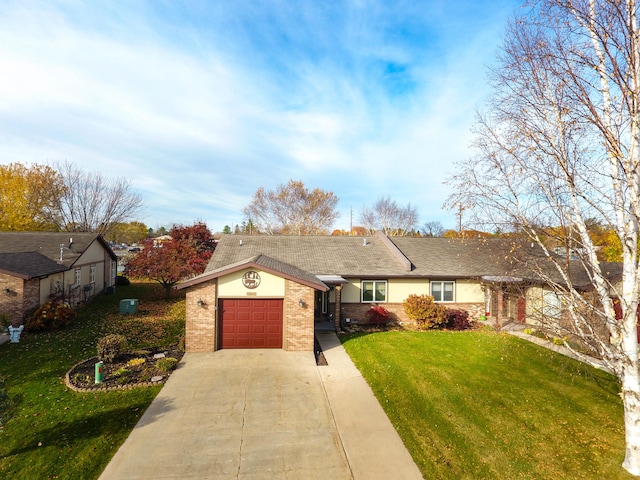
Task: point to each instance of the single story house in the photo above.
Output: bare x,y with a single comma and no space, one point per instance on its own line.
36,267
267,291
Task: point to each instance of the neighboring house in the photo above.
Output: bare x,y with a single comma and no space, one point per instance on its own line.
158,241
266,291
38,266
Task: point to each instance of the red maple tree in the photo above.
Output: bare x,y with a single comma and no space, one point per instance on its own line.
182,257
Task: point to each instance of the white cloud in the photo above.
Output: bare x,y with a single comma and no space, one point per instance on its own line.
200,104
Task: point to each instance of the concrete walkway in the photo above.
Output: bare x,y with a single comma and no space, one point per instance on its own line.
373,447
517,330
256,414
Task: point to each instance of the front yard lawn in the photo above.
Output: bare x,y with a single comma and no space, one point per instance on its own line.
54,432
482,405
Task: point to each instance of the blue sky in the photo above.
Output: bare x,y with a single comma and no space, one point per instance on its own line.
199,103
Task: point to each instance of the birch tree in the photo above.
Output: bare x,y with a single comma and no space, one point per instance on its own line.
293,209
559,144
386,215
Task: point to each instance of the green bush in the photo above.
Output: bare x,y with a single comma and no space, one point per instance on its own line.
166,364
426,312
50,316
110,346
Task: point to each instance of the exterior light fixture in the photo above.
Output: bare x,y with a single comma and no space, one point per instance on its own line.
202,303
301,303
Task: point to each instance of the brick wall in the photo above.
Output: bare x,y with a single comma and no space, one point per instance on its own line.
22,298
31,295
11,303
357,311
298,320
201,320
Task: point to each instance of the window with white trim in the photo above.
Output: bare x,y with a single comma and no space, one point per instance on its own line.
114,270
78,277
443,291
92,274
374,291
551,304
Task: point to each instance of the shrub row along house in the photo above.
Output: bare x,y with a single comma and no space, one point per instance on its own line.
36,267
267,291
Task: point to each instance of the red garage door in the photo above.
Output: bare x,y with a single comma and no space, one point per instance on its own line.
250,323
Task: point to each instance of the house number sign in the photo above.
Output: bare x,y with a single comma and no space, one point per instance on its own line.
251,279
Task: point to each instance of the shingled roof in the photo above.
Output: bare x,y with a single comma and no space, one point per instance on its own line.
48,244
319,255
372,256
379,256
28,265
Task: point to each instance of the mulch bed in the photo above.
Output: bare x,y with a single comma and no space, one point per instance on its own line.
122,374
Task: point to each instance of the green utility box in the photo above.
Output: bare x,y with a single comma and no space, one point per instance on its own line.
129,305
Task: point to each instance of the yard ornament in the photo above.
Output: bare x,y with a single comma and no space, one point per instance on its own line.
14,333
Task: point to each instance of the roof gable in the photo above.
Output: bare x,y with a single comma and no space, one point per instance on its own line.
264,263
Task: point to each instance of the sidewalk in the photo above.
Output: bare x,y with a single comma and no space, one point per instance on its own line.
373,448
517,330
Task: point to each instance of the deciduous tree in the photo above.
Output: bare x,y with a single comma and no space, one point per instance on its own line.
386,215
182,257
92,202
199,234
27,196
132,232
559,144
432,229
293,209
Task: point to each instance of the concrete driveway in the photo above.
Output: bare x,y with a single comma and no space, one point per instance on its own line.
256,414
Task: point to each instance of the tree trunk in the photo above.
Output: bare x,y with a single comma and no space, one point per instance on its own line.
631,401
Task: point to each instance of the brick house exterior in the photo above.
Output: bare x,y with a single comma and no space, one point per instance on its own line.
297,291
333,278
38,266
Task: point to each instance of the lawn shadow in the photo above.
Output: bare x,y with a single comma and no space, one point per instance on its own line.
100,424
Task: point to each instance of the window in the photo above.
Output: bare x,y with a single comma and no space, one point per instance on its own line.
442,291
114,270
374,291
92,274
325,302
78,277
551,304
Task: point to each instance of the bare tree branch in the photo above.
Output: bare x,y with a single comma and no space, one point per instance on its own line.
293,209
92,202
558,146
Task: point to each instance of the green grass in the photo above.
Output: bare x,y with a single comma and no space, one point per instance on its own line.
481,405
54,432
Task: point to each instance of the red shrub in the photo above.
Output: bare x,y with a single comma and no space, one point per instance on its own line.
457,320
378,315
